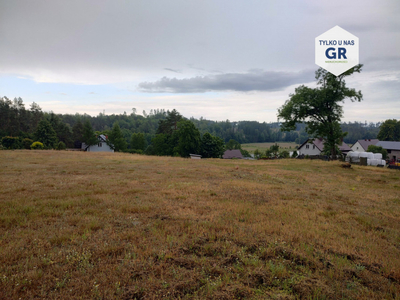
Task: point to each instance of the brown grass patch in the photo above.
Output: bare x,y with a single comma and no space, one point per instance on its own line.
118,226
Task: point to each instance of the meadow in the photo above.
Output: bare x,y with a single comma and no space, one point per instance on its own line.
76,225
265,146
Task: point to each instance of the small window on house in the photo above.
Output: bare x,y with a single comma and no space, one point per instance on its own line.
307,146
313,146
100,145
389,151
357,148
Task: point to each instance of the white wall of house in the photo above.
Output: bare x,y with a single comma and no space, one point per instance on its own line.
358,148
309,149
100,147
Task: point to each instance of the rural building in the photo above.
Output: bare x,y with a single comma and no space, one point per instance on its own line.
362,145
316,146
195,156
229,154
101,146
392,148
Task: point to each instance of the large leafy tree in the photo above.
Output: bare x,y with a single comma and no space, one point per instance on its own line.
188,139
211,146
46,134
320,108
389,130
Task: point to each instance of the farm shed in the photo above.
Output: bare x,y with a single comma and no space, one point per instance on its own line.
195,156
101,146
229,154
392,148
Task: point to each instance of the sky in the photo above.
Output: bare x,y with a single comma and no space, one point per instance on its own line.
216,59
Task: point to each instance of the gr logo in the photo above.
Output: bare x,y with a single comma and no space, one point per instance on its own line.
336,50
331,54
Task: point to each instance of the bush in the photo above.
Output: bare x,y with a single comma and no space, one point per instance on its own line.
27,143
295,154
61,146
377,149
10,142
37,145
257,154
245,153
284,154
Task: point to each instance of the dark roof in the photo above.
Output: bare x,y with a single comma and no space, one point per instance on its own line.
232,154
365,143
388,145
319,143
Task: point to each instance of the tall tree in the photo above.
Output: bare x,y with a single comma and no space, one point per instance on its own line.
46,134
188,139
319,108
389,130
211,146
170,124
138,141
117,139
89,137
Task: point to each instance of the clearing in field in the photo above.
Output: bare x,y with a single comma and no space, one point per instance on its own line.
121,226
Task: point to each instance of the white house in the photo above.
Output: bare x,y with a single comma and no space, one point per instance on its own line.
101,146
362,145
316,146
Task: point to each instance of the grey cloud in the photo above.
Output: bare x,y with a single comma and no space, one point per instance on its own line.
172,70
255,80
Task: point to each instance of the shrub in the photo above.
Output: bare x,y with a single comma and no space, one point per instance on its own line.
27,143
37,145
10,142
245,153
295,154
284,154
61,146
257,154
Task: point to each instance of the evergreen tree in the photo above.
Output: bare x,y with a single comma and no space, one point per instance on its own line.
89,137
116,138
170,124
77,134
46,134
138,141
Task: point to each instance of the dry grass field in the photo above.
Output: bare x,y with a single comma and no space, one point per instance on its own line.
265,146
77,225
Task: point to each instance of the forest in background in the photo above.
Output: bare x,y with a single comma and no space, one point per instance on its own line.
19,121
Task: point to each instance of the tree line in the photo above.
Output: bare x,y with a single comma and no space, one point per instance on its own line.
138,132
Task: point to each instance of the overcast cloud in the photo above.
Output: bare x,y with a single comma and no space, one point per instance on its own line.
63,54
251,81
